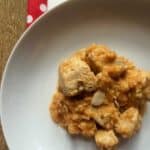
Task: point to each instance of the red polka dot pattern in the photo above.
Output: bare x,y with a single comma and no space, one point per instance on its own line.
35,9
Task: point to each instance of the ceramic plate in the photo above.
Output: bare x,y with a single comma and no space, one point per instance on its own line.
30,76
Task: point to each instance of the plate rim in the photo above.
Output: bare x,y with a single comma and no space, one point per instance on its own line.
12,54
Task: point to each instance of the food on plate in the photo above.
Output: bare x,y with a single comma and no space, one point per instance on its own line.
75,76
106,139
100,95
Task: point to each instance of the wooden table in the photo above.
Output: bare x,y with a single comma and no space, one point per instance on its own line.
12,24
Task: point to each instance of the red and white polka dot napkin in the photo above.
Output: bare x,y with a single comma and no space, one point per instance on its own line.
35,9
38,7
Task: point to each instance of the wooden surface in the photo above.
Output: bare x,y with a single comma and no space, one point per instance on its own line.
12,24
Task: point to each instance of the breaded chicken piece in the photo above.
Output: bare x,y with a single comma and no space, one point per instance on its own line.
98,56
106,140
133,85
105,115
84,128
136,78
75,77
128,123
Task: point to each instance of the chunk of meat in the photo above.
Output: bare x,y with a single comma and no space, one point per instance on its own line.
75,77
105,115
128,123
122,61
106,140
115,71
98,56
132,89
136,78
85,128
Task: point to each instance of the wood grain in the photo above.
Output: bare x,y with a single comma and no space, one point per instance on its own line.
12,24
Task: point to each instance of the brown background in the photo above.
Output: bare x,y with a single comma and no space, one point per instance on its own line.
12,24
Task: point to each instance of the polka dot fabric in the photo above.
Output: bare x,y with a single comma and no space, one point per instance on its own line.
35,9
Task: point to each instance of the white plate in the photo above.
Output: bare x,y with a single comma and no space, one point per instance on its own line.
31,74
